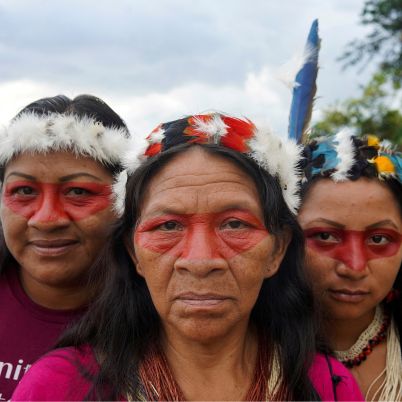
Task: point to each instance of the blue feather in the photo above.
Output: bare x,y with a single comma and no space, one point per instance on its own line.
329,155
305,87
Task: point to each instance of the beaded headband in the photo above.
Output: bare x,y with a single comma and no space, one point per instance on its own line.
345,156
277,156
84,136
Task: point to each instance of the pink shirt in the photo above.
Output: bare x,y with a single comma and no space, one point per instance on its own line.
27,331
56,377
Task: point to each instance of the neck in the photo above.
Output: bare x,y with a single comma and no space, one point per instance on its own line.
69,297
343,334
220,369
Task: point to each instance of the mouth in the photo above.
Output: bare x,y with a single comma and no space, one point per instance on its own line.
348,295
53,248
202,299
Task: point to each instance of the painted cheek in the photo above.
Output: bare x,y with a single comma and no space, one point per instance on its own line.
159,242
243,241
23,204
386,250
96,199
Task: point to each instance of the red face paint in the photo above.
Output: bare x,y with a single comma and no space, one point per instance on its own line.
354,247
49,202
201,236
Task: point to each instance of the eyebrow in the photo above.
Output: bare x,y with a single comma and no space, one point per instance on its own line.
62,179
372,226
382,223
77,175
328,222
19,174
161,209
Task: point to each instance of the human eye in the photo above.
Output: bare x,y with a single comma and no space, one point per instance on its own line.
170,226
378,240
234,224
21,191
24,190
323,236
326,236
77,192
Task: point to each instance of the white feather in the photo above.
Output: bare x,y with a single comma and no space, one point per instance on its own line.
119,192
280,159
214,128
157,136
345,151
135,153
288,71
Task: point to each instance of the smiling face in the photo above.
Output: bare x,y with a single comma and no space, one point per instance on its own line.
353,237
201,245
55,212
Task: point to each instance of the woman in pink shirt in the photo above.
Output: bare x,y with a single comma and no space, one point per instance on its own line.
351,215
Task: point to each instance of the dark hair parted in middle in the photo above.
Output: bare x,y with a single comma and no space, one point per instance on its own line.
123,323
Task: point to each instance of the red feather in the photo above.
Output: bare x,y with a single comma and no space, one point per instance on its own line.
153,149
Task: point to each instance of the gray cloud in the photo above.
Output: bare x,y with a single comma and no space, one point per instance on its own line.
148,45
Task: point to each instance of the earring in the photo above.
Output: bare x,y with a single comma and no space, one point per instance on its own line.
392,295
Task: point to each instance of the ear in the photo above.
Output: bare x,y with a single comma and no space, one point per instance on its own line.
129,245
280,246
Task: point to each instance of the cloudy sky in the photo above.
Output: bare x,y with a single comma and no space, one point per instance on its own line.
158,60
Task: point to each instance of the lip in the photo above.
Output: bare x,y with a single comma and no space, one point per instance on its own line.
53,248
202,299
348,295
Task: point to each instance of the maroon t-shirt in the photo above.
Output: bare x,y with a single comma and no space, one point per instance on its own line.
27,331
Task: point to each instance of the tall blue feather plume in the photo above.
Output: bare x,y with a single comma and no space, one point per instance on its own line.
305,87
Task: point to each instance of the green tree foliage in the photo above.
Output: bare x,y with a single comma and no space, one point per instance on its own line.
370,113
383,43
377,108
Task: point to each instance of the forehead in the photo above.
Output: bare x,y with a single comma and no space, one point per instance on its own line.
202,179
351,203
51,165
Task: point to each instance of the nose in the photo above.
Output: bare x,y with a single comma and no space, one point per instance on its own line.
200,255
50,212
354,256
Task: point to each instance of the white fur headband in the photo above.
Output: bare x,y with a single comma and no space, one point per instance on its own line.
58,132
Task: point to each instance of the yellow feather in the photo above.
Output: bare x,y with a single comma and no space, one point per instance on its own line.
373,141
384,165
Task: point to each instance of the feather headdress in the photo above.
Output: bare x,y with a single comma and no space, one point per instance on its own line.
84,136
347,157
278,157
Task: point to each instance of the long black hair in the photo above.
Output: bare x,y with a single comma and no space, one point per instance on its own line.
80,106
123,322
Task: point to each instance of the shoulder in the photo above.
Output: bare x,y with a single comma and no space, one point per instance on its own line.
327,373
63,374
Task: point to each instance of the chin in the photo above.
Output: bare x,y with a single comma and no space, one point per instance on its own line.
54,274
346,313
205,331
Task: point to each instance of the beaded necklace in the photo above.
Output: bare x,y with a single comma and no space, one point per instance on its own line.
373,335
387,386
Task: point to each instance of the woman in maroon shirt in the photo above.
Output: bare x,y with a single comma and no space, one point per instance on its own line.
58,161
